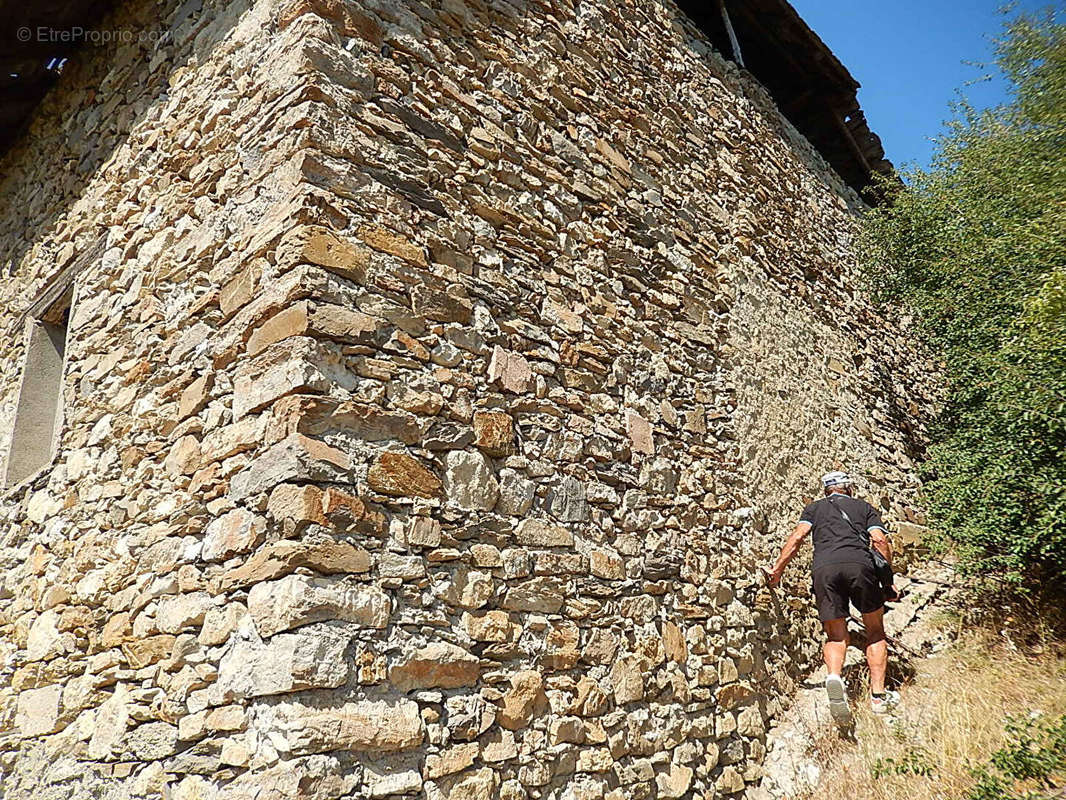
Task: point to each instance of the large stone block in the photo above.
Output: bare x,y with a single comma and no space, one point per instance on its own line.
318,416
542,533
494,433
510,370
401,475
307,318
374,726
237,531
436,666
281,558
38,711
295,458
175,613
523,701
312,658
469,480
294,375
323,247
300,600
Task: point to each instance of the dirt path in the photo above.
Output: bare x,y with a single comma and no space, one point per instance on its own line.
792,767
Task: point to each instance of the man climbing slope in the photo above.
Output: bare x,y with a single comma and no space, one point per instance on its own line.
843,570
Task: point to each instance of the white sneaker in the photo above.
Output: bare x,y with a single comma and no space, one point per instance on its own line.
886,704
838,699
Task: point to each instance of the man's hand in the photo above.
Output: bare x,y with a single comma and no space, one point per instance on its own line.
773,576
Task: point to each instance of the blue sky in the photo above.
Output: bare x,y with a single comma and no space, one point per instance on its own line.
909,57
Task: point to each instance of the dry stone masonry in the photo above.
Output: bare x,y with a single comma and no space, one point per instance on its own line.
436,375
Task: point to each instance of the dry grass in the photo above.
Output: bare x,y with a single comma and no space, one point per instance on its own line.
952,718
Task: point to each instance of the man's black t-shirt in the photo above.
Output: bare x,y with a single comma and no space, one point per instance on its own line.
835,541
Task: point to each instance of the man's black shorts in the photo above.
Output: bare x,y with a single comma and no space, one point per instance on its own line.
836,584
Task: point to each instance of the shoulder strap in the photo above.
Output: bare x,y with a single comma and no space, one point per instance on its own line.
863,535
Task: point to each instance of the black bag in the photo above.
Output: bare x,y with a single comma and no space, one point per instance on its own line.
882,568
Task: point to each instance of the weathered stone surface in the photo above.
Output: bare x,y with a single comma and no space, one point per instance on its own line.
299,503
436,666
541,595
388,242
510,370
494,433
568,501
310,658
239,531
607,565
454,759
440,306
309,234
401,475
469,481
523,701
195,396
675,782
184,456
516,493
627,680
296,458
109,725
366,726
542,533
321,416
38,711
490,626
299,600
640,433
178,612
153,741
479,785
151,649
45,640
317,319
422,532
321,246
274,560
470,588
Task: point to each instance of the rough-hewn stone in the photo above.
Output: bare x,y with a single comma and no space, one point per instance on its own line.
298,600
375,726
424,411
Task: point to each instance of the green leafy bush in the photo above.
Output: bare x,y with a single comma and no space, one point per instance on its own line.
975,248
1031,765
914,761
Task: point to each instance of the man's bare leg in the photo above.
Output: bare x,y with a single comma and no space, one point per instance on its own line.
834,649
876,649
836,645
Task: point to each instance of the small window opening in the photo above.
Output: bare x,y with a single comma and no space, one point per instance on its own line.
39,410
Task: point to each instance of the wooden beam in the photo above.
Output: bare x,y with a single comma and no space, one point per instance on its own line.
732,34
846,131
60,285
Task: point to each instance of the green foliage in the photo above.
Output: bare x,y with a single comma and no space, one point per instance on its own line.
975,248
1030,764
915,761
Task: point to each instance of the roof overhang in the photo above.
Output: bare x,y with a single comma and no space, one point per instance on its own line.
36,36
814,91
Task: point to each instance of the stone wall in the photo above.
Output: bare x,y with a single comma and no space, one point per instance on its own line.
446,373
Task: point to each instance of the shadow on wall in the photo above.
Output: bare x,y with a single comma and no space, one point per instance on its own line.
104,93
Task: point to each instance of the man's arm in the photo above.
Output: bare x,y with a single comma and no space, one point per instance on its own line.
879,540
788,552
878,533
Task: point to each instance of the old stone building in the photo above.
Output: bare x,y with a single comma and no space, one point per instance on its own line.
398,397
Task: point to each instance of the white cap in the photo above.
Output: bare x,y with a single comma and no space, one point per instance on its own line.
831,479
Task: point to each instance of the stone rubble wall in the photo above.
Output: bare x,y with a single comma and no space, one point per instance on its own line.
449,370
